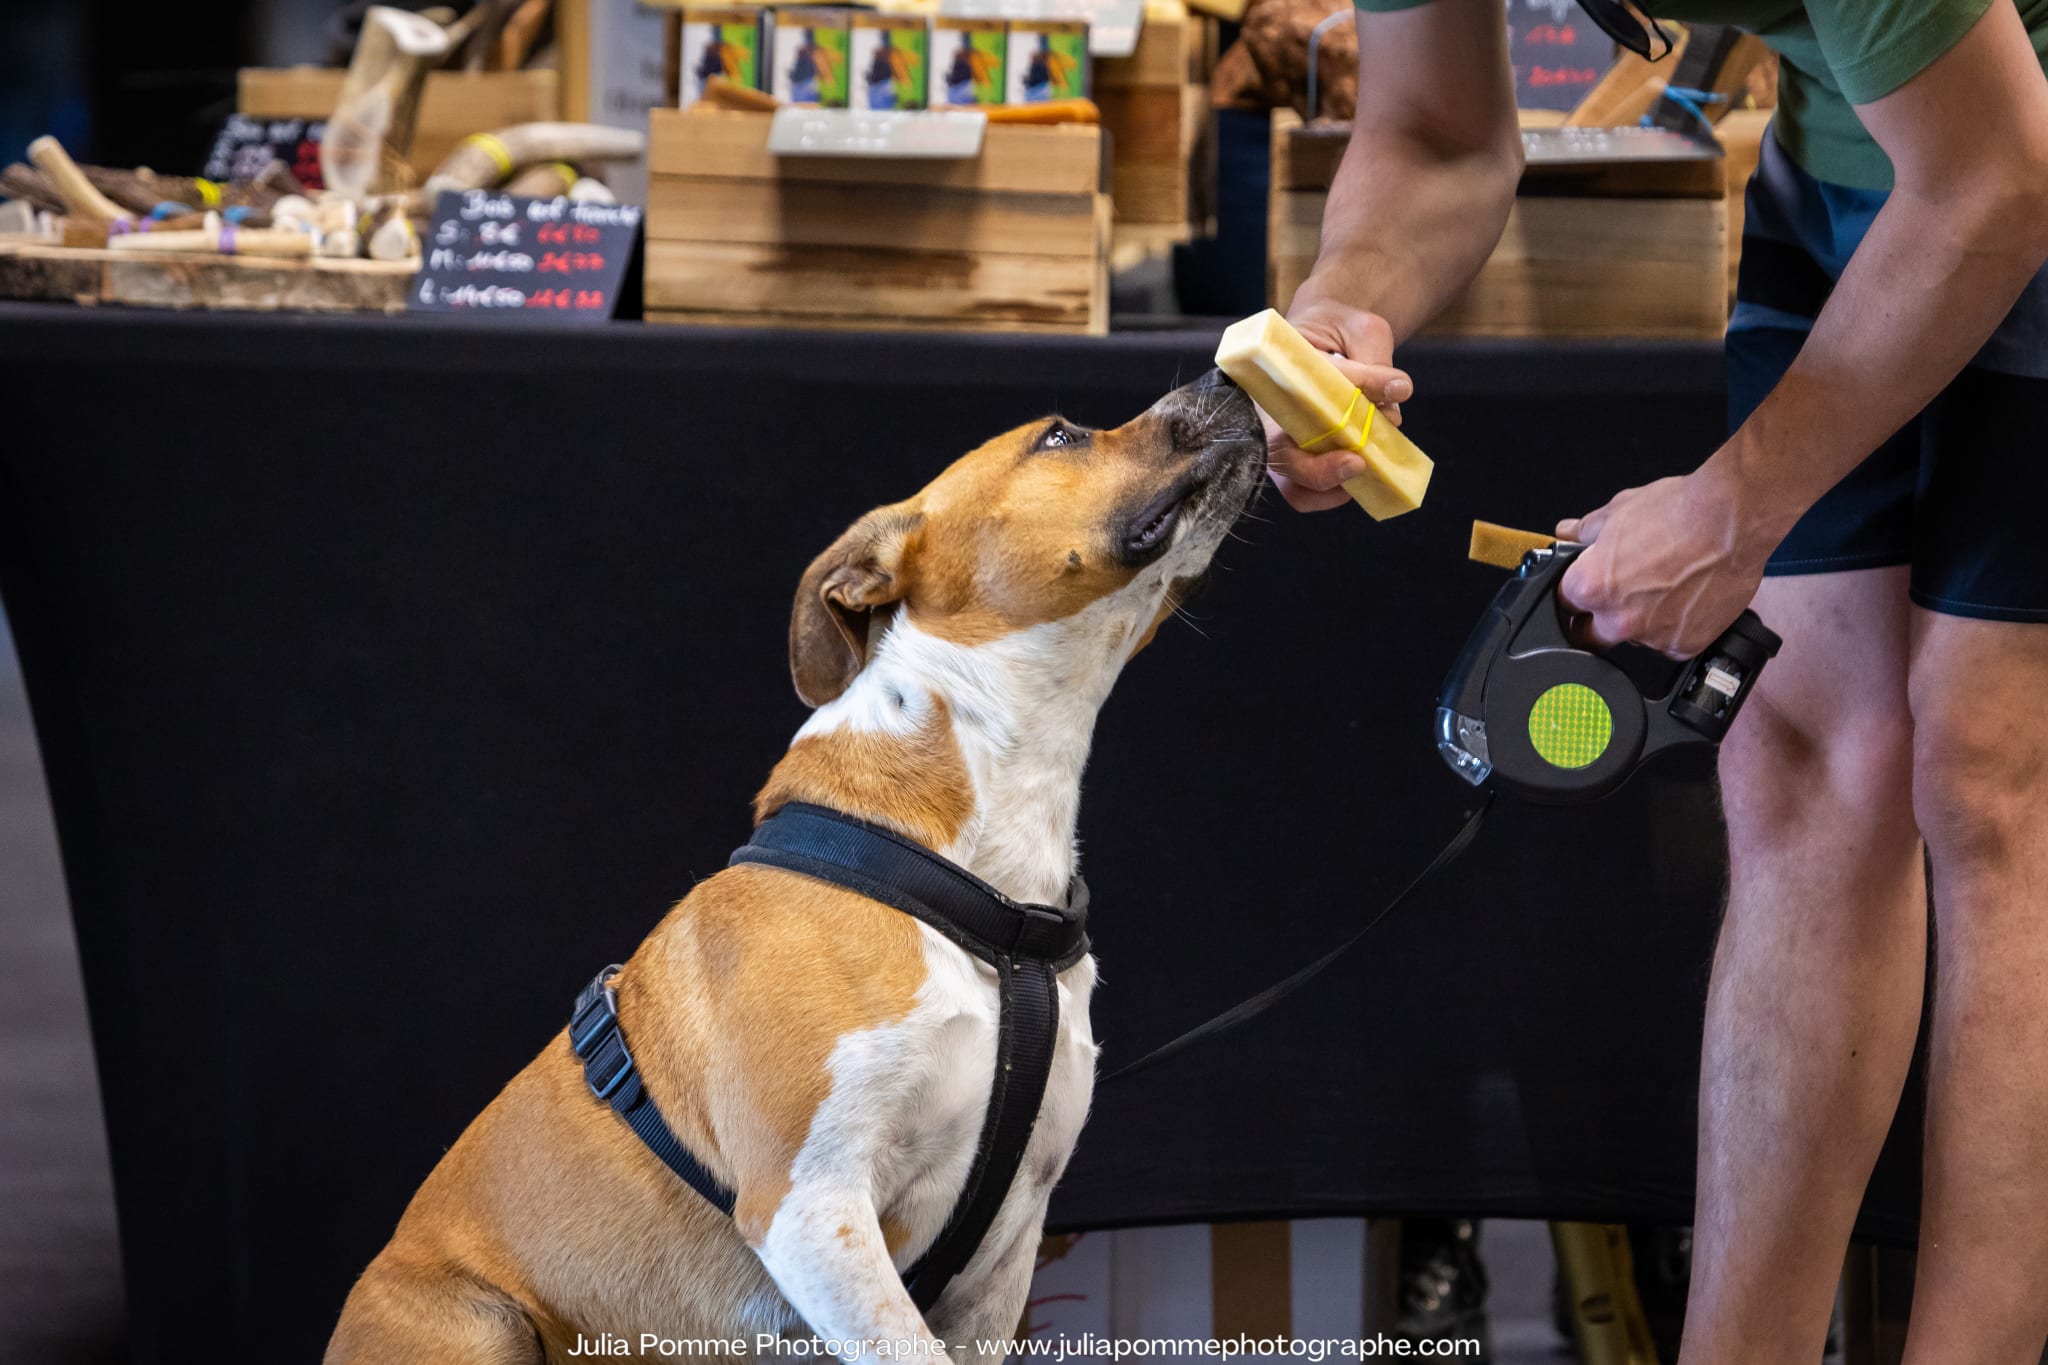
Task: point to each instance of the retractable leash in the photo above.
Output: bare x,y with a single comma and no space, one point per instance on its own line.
1526,712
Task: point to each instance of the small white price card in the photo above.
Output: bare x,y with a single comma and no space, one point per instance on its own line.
936,134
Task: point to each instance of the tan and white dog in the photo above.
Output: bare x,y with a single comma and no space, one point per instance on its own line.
828,1058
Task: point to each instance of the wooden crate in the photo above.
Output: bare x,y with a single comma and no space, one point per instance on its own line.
454,104
1015,239
238,283
1742,135
1635,251
1155,108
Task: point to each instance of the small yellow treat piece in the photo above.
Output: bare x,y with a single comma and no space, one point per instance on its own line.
1323,411
1504,546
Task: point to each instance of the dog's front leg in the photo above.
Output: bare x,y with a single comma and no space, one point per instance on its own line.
826,1252
979,1313
979,1317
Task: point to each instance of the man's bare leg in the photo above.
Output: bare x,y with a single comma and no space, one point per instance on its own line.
1818,975
1980,780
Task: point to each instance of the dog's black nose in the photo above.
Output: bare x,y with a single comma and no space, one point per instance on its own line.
1208,407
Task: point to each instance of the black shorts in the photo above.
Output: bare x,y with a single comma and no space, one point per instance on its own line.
1961,492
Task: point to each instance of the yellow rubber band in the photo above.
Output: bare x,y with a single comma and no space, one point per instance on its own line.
1356,394
497,149
567,172
209,193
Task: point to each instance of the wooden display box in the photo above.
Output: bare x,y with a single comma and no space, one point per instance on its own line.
42,273
454,104
1014,240
1629,251
1742,133
1155,108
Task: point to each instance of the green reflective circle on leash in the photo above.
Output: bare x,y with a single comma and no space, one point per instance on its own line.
1570,725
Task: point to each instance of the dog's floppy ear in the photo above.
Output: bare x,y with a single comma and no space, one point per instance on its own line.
864,569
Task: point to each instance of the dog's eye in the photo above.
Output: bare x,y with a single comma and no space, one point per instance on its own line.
1059,434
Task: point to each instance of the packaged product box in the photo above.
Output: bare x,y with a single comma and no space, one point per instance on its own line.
723,41
811,65
967,60
1047,60
889,60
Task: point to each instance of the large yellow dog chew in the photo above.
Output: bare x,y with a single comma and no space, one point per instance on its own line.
1322,410
1504,546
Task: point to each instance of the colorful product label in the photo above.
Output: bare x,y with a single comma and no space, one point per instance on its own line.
890,70
724,43
1048,61
812,64
967,61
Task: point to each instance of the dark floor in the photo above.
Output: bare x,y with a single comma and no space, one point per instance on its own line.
60,1276
60,1286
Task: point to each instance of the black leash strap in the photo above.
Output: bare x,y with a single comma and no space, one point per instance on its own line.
1258,1004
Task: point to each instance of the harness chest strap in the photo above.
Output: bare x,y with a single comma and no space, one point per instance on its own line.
1027,945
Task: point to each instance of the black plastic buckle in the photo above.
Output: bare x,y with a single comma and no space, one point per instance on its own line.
595,1038
1043,932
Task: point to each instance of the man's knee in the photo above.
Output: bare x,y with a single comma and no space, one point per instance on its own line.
1787,780
1978,778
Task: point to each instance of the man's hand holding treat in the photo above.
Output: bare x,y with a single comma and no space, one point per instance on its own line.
1325,415
1361,346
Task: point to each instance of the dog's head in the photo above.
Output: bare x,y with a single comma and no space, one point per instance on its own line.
1051,522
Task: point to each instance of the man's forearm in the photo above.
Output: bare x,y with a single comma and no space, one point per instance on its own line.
1407,226
1926,287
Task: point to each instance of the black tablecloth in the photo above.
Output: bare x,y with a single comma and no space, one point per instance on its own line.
392,677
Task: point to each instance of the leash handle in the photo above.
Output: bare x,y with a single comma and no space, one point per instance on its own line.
1253,1006
1715,684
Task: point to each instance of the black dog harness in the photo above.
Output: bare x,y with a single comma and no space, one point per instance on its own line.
1028,945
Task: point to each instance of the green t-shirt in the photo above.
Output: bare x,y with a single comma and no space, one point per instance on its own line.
1836,54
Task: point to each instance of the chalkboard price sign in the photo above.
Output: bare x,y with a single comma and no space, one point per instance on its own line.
1558,53
245,146
546,259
